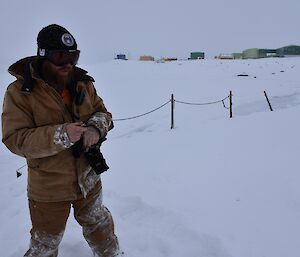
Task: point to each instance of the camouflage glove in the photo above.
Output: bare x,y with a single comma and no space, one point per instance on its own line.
102,122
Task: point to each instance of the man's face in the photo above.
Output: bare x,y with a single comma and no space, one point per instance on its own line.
61,71
59,75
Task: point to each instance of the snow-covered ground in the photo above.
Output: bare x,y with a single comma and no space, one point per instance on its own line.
211,187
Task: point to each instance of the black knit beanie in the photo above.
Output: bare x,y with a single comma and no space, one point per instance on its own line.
55,37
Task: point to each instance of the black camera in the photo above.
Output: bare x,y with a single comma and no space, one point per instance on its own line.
93,155
96,160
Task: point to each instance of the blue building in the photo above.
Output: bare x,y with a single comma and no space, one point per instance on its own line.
121,57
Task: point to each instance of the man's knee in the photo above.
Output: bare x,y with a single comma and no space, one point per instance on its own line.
89,211
101,221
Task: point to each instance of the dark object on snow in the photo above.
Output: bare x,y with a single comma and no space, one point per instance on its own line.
19,174
271,109
243,75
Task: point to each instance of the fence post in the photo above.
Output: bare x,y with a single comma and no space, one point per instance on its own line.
230,105
268,101
172,111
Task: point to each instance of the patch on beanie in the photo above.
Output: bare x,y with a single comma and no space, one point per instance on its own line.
67,39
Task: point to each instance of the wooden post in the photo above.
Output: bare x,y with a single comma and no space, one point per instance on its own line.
230,105
172,111
268,101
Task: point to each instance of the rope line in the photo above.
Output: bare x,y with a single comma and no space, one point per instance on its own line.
137,116
225,105
21,167
219,101
181,102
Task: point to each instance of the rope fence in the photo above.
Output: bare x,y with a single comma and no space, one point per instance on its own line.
215,102
144,114
173,101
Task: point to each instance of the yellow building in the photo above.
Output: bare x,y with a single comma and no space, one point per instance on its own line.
146,58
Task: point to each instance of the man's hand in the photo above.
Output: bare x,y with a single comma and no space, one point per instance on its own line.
75,131
91,136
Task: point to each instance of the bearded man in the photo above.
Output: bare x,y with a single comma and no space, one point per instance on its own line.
53,117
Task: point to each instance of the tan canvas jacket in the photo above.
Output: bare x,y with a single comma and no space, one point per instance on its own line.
33,126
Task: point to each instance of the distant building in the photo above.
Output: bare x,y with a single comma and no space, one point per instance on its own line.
225,57
169,59
237,55
255,53
121,57
291,50
197,55
146,58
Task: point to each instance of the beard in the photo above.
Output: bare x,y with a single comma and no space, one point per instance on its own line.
54,79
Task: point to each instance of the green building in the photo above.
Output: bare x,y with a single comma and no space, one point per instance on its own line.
237,55
197,55
290,50
254,53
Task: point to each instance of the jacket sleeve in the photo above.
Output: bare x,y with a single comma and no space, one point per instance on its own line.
20,134
101,118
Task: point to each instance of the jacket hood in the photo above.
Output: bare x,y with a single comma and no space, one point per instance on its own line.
18,69
26,70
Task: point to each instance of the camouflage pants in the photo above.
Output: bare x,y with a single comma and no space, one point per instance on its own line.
49,221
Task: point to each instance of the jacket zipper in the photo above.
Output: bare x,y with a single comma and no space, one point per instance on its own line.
58,98
62,104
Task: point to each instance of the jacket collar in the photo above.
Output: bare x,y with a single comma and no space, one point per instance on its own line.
26,70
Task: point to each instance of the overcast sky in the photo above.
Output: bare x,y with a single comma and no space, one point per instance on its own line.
162,28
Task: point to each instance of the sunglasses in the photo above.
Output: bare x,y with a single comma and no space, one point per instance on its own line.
63,57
